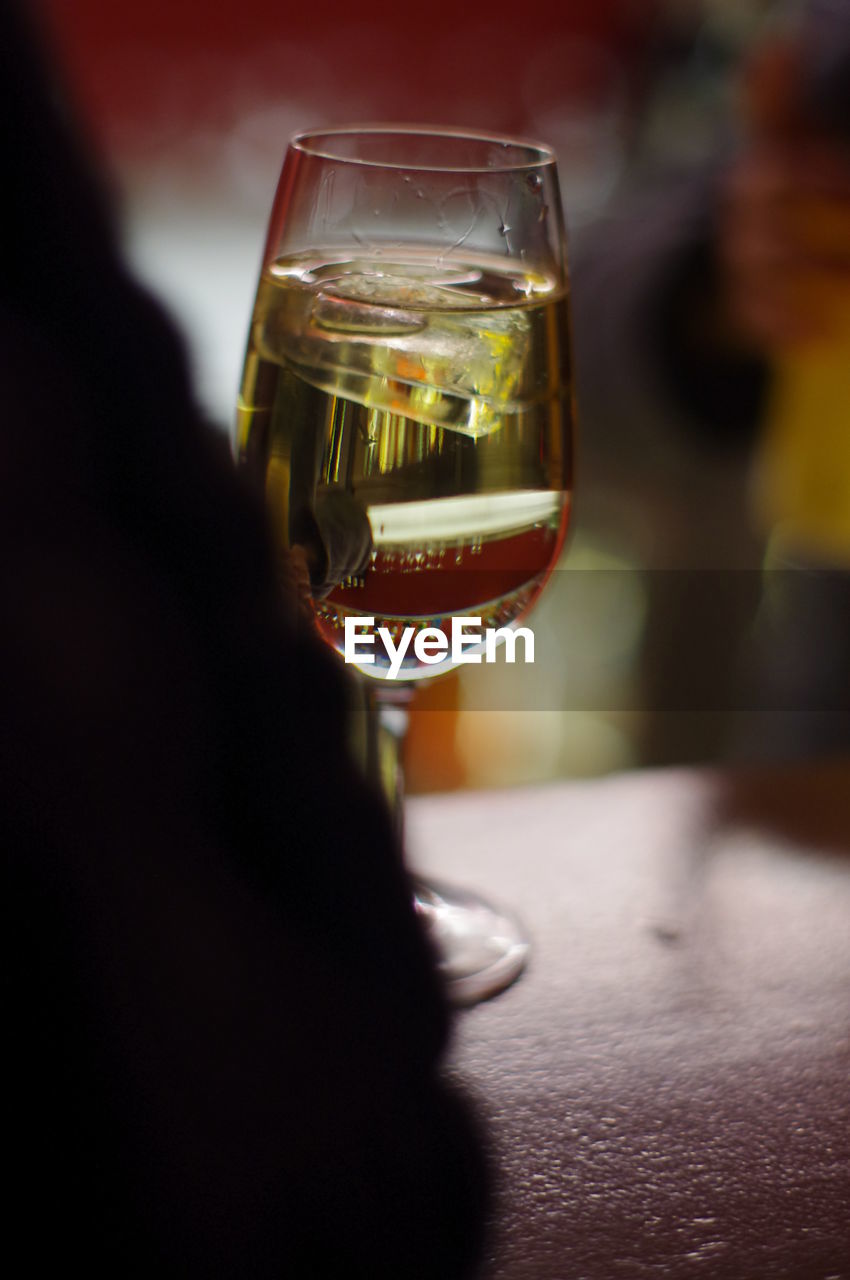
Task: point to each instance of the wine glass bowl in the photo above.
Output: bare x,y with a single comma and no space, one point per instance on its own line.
406,398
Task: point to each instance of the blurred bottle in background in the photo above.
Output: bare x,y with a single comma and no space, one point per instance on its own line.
785,253
797,104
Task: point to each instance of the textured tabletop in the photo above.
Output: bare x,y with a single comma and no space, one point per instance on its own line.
668,1085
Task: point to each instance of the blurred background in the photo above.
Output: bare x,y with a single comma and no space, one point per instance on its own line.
664,644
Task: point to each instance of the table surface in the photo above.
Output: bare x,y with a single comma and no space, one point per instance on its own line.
666,1087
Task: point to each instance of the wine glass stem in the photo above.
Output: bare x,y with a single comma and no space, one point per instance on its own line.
479,950
387,716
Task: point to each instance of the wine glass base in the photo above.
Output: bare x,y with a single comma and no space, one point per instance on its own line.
481,950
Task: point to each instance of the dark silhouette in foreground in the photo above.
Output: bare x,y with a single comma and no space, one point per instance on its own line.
226,1029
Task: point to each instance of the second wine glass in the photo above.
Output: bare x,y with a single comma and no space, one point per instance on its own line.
407,404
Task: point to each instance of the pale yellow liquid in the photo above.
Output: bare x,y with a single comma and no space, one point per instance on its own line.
411,425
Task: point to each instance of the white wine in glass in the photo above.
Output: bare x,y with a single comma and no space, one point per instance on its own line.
407,405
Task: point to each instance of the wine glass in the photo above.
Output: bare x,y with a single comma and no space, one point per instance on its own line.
407,405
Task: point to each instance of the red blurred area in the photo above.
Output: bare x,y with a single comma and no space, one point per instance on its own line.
195,63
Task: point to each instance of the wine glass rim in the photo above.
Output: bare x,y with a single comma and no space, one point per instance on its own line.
318,143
